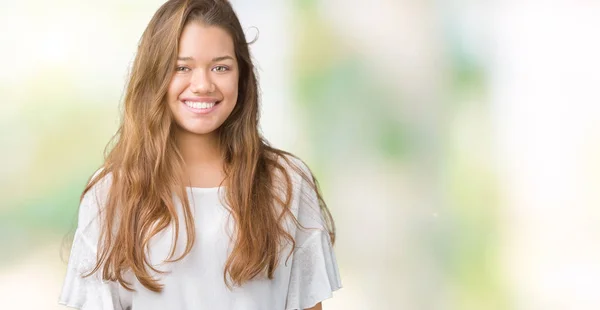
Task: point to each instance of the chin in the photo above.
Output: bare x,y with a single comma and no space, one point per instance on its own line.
198,131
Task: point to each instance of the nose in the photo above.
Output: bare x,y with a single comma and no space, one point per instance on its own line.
201,83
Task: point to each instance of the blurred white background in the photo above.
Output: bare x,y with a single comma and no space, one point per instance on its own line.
457,142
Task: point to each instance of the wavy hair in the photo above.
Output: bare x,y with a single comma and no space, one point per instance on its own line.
144,159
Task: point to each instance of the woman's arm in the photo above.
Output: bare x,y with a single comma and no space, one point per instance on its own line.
316,307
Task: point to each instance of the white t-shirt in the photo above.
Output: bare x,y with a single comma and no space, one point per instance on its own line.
196,282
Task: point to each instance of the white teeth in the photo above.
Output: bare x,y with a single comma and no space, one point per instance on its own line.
199,105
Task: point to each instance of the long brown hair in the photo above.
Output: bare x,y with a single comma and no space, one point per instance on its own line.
144,162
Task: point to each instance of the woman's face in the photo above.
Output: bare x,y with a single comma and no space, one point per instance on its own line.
204,88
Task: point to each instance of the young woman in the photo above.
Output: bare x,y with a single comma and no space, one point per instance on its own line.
192,209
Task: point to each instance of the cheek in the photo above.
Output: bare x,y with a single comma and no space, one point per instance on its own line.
176,87
231,88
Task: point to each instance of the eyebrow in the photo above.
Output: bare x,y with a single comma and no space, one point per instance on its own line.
216,59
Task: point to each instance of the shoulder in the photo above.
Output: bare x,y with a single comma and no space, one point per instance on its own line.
297,169
295,175
306,201
95,198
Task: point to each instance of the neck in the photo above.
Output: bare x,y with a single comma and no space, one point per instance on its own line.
198,150
202,157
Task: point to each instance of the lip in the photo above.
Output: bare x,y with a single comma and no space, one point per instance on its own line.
200,111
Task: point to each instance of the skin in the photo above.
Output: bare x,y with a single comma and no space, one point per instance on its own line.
206,69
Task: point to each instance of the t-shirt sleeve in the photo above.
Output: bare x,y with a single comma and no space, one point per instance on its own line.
89,293
314,270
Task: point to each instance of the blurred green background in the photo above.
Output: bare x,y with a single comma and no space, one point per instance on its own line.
456,142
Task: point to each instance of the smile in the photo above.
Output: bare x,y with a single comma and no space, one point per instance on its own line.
200,107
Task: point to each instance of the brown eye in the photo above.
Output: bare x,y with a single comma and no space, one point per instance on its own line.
220,69
182,69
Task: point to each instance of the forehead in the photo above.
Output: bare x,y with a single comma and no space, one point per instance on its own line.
203,42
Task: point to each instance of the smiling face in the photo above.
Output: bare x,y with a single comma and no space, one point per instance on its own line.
204,88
